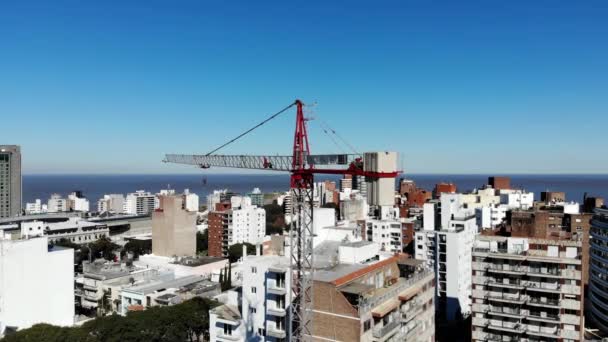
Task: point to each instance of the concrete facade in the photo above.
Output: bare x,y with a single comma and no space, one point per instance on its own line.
173,228
527,289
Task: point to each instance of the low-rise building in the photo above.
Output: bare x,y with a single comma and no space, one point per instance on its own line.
165,292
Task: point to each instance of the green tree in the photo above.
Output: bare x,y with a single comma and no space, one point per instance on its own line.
235,252
104,248
202,241
275,219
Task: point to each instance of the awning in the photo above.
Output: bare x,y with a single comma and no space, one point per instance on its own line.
386,307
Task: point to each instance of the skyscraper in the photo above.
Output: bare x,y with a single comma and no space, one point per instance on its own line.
10,180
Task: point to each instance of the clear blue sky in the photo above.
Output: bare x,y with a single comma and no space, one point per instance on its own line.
456,87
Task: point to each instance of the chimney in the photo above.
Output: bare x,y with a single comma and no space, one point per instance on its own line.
257,249
244,252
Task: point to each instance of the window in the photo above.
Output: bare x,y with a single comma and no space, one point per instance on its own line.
261,332
227,329
253,289
253,310
367,325
254,270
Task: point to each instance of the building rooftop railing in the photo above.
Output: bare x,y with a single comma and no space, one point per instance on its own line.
383,294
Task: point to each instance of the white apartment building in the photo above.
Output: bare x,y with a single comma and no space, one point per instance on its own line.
264,302
36,207
386,233
527,289
445,243
139,203
76,203
453,264
36,284
112,203
353,207
248,221
214,198
191,201
57,204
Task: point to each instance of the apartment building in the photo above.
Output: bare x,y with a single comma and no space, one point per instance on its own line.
598,272
260,311
173,228
112,203
445,243
380,300
237,222
77,202
36,284
527,289
386,233
139,203
57,204
10,180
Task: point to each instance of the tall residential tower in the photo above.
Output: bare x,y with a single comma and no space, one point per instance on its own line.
10,180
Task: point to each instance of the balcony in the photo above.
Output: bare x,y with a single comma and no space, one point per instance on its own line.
536,330
504,311
276,332
517,328
543,317
544,272
382,295
225,337
498,283
542,286
506,297
279,312
506,269
545,302
277,289
384,331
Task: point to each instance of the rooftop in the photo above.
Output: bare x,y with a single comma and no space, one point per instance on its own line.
156,285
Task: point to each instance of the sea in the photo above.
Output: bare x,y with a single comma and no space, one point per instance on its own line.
95,186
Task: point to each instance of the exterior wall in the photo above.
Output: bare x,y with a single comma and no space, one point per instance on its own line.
387,234
334,318
36,285
444,188
395,309
10,180
139,203
173,229
218,227
553,197
499,182
598,271
381,191
527,288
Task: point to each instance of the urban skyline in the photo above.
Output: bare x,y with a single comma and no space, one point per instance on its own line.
472,87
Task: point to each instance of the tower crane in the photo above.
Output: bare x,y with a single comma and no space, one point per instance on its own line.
302,166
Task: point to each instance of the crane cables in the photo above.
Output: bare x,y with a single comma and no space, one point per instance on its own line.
252,128
327,128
